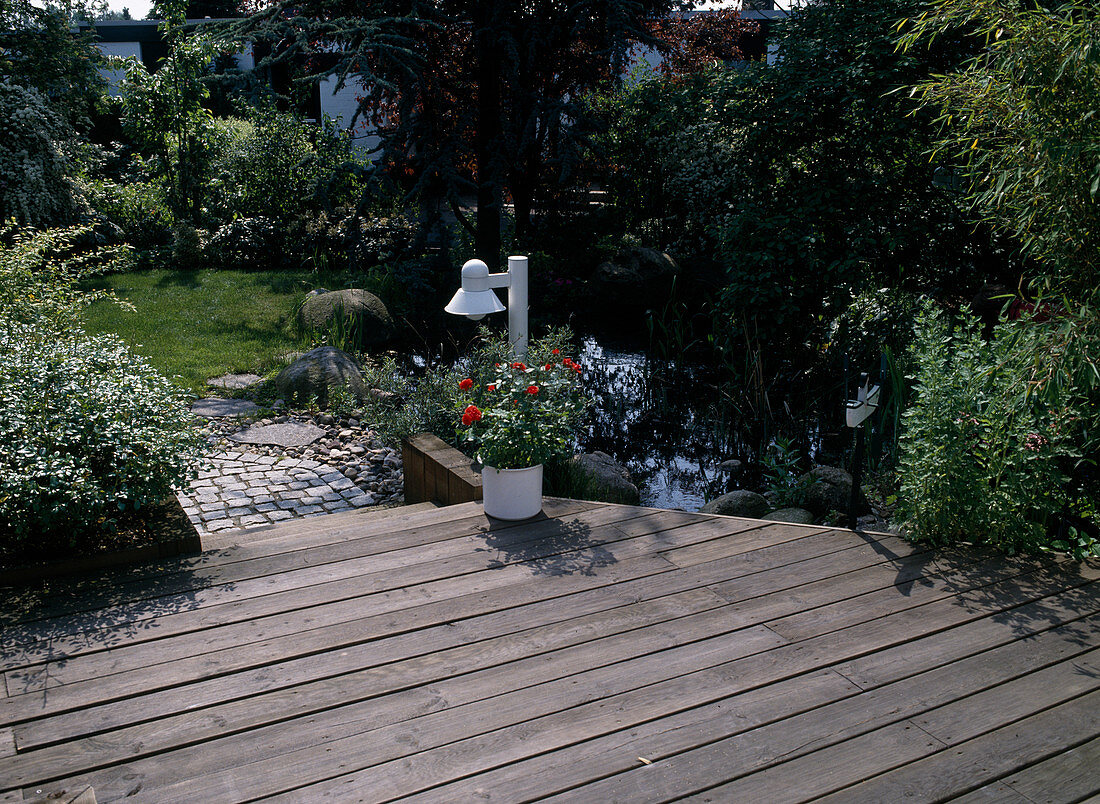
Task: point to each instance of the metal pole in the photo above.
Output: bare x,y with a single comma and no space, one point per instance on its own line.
517,306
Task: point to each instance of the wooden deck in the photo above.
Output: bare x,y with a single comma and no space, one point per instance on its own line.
602,653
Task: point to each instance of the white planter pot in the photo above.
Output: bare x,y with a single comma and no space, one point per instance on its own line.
512,494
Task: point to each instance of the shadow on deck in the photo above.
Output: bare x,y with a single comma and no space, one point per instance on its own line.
596,653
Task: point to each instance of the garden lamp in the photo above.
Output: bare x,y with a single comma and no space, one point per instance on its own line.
475,299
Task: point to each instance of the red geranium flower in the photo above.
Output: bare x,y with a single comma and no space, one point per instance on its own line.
466,384
491,388
548,366
553,351
519,366
567,362
532,389
471,415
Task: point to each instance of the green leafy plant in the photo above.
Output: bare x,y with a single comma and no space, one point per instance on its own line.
88,430
1000,437
781,467
40,272
525,415
88,433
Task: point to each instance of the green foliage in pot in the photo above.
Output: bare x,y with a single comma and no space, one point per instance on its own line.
516,415
525,416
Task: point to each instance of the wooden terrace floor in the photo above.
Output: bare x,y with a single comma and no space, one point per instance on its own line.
601,653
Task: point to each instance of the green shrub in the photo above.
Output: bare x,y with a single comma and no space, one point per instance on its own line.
36,185
39,271
88,431
281,166
247,243
997,444
139,208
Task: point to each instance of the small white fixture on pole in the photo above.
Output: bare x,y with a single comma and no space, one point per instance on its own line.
866,403
475,299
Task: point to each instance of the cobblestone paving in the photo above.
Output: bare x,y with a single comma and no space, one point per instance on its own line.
246,489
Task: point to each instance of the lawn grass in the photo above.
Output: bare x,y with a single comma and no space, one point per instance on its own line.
194,325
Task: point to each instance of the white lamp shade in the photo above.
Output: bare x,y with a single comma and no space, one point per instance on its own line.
474,299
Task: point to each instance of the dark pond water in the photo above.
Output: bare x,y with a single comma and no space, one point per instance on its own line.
672,423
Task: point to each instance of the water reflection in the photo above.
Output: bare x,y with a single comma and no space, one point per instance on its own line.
663,422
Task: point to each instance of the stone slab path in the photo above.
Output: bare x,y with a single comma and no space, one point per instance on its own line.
246,489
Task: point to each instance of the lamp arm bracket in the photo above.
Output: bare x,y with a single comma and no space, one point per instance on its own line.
503,280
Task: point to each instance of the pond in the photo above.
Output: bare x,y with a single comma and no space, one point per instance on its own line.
674,425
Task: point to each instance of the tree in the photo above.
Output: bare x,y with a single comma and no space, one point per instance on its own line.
1020,119
39,49
164,114
832,193
474,97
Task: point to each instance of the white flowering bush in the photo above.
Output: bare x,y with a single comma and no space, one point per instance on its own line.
36,187
89,432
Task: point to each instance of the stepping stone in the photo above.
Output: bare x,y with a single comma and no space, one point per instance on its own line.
214,407
291,434
234,381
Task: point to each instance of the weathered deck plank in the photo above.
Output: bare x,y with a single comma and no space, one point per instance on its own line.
601,653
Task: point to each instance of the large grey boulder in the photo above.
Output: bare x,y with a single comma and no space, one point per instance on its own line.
795,516
608,474
831,491
636,274
744,503
357,313
316,373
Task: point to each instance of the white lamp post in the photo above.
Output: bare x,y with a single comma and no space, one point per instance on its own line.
475,299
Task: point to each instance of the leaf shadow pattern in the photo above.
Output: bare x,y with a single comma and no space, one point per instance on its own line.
912,568
1049,594
546,546
48,624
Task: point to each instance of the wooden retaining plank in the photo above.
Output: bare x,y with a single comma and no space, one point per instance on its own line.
974,763
845,715
276,760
